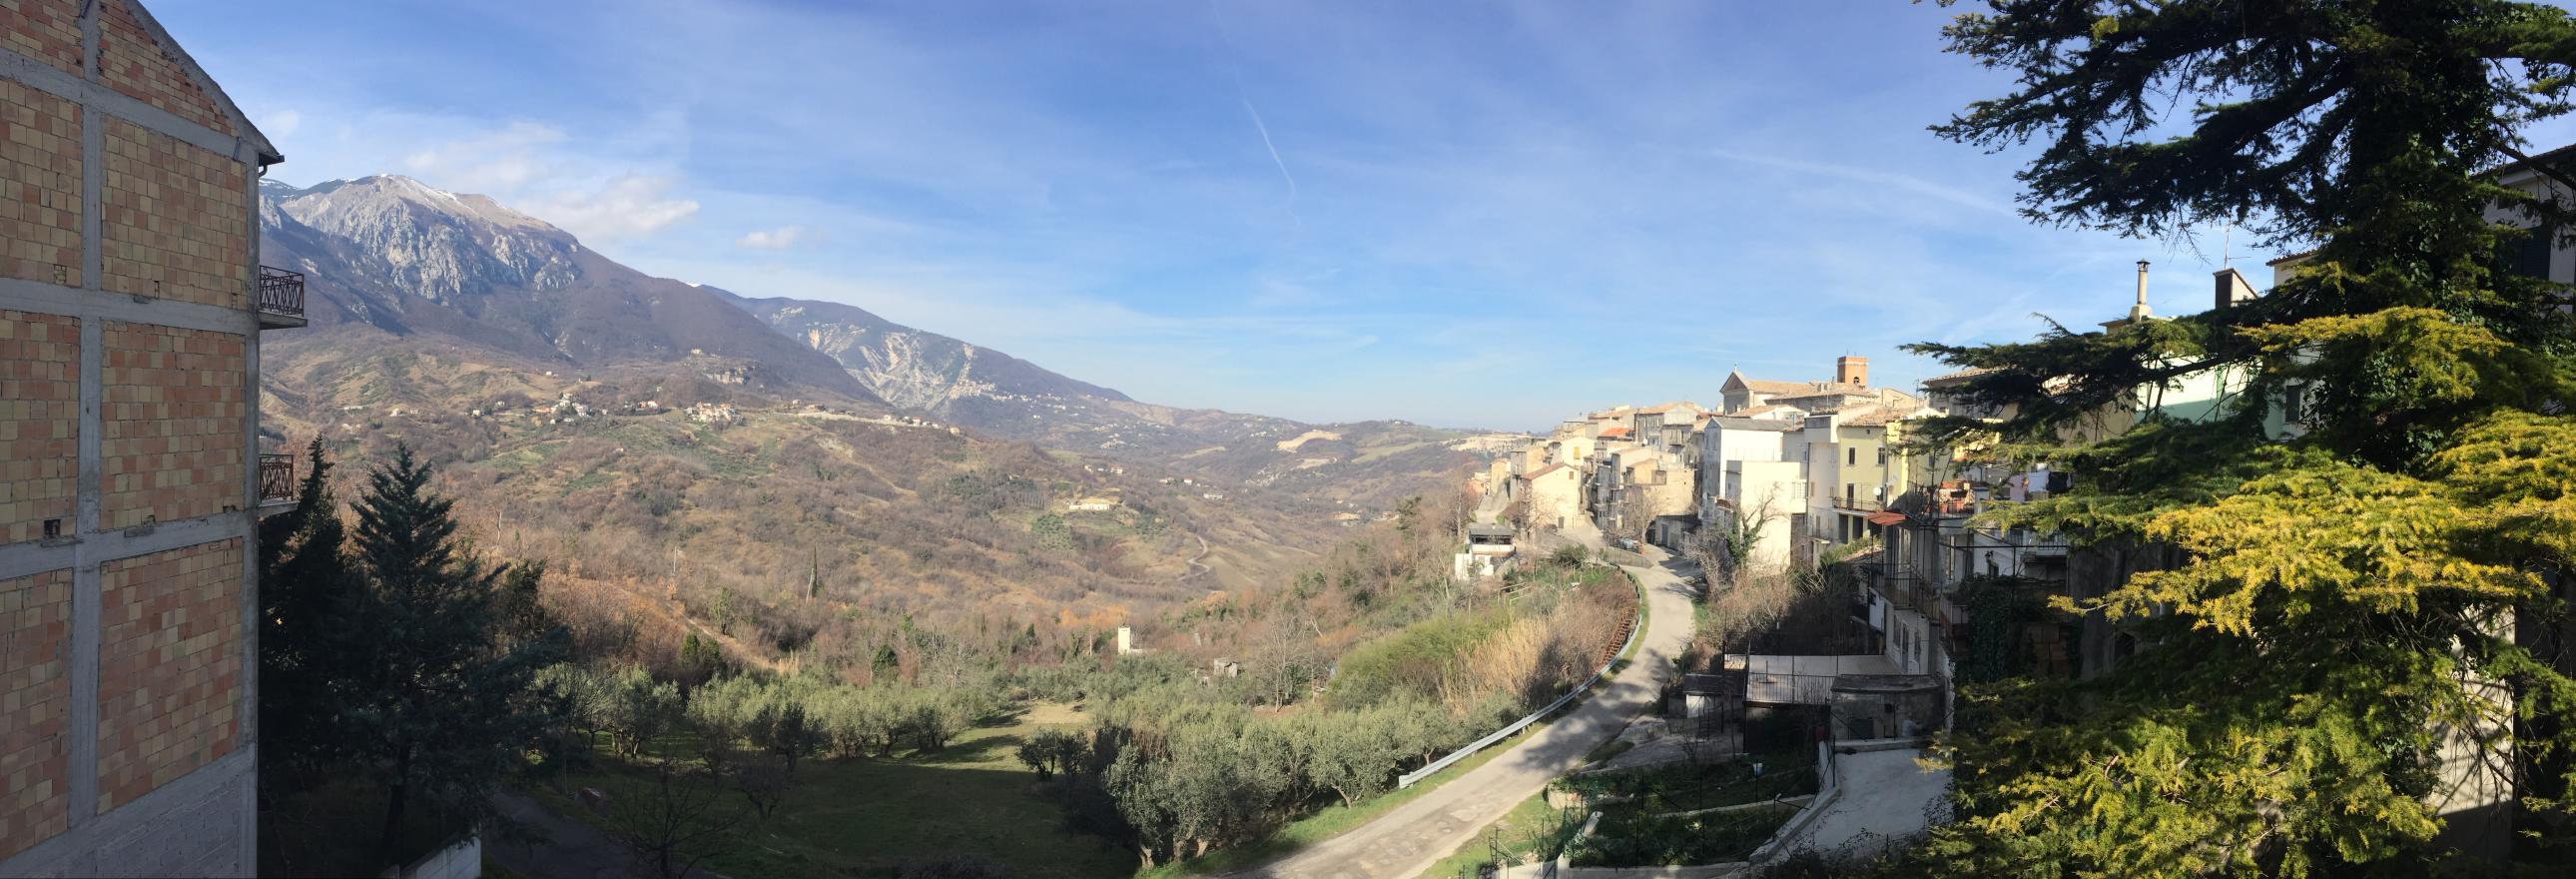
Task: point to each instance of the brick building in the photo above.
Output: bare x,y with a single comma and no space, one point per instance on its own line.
131,303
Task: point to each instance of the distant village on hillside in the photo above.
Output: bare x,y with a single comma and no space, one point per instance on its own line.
1800,475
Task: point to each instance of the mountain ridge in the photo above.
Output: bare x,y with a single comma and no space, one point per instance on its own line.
428,268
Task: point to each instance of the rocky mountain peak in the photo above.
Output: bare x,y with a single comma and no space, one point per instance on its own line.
439,245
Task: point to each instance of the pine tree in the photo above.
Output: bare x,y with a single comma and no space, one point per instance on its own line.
2338,594
442,705
305,584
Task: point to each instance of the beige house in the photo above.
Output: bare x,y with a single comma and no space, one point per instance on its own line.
1849,387
1853,469
1553,495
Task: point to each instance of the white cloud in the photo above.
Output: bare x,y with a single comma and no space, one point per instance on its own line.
496,162
780,238
626,206
282,123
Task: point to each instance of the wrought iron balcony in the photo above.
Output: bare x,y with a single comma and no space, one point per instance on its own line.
276,480
281,298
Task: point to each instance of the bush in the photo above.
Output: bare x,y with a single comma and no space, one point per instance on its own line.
1631,839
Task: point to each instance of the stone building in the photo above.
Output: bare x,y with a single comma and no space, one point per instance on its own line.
131,303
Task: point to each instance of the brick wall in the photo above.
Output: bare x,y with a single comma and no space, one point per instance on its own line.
130,60
39,422
170,423
46,30
35,709
40,166
169,666
173,223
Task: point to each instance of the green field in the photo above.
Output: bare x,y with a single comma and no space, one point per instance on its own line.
859,817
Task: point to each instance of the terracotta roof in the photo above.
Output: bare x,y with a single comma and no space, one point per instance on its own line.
1952,378
1885,518
1874,415
2304,254
2550,157
1615,432
1767,386
1667,407
1543,471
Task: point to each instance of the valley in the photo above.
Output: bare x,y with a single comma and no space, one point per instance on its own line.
802,463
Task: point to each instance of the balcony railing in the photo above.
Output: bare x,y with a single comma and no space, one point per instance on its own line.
276,479
281,298
1896,582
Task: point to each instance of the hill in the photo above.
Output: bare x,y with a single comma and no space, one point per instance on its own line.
675,454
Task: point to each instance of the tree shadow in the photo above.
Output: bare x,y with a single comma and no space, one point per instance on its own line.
981,750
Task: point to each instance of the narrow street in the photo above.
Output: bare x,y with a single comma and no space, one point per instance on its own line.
1408,840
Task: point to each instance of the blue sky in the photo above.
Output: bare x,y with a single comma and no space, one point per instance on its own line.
1463,214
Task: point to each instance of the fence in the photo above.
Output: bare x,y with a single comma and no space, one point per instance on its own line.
1634,628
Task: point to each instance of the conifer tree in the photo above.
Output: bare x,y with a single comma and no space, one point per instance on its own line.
442,703
2343,599
304,588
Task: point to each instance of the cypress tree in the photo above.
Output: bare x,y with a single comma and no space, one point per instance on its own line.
2345,593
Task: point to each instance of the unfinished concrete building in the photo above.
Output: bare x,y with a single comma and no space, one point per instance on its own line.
131,303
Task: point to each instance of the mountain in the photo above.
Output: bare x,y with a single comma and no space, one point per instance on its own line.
914,369
491,299
417,263
1367,463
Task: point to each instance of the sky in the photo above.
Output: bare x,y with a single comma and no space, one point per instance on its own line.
1473,215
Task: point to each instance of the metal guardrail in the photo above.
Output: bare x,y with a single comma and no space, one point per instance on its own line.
1635,628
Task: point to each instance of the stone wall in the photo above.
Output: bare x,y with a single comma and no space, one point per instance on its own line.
39,423
170,429
35,700
169,666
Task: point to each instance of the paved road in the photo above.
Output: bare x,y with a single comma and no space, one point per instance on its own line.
1410,838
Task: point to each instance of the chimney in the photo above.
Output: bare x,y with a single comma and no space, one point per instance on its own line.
2139,311
2233,289
1851,371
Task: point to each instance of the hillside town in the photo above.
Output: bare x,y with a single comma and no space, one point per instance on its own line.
1842,478
460,521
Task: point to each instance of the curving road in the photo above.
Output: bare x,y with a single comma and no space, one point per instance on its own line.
1404,842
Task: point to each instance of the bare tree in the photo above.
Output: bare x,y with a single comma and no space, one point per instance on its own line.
764,781
1728,548
681,817
1633,514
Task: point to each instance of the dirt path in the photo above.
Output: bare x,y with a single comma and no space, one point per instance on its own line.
1198,568
1410,838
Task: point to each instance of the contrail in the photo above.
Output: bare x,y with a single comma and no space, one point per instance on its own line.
1273,148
